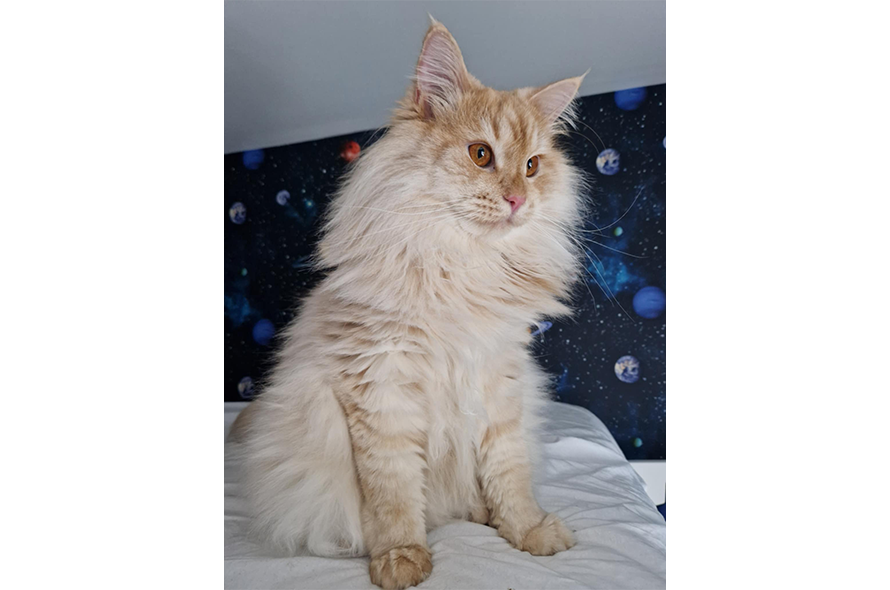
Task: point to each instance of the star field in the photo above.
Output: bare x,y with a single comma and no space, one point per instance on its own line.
274,198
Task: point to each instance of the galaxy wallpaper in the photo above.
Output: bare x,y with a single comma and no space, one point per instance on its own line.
609,358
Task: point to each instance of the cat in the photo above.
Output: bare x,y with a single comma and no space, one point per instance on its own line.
404,395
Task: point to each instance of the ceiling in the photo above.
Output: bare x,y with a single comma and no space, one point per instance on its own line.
298,71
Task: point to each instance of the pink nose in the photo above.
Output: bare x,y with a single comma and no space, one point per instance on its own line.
515,201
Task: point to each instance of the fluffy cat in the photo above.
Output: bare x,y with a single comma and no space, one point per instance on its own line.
405,395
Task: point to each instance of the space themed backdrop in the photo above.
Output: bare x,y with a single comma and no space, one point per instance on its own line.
609,358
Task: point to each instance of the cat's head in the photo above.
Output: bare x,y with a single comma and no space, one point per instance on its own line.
490,156
460,168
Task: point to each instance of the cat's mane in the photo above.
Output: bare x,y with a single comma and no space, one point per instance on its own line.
384,244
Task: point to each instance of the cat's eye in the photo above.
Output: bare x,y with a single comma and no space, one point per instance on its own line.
531,167
480,154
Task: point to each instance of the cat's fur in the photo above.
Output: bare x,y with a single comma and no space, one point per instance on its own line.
405,395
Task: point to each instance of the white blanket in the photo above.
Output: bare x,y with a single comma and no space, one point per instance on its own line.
584,478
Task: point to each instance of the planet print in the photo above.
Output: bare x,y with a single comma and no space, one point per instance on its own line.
350,151
263,331
270,263
238,213
252,159
542,327
627,369
630,99
245,388
608,162
649,302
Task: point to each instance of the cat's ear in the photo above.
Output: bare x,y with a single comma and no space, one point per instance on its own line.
441,75
554,100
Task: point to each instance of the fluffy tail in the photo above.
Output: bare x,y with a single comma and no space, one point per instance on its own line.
300,474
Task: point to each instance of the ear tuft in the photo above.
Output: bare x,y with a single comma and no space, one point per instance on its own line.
441,75
554,100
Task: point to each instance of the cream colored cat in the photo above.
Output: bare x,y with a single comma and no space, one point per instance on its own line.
405,395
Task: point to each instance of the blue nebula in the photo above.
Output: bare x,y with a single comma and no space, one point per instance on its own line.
282,197
245,388
307,213
238,213
649,302
563,383
611,274
253,158
238,309
542,327
630,99
263,331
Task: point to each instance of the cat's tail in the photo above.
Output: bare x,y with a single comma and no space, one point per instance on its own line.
299,473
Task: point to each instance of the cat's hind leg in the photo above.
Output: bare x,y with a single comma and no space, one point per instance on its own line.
301,475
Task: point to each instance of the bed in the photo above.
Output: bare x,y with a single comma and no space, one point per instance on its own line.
584,478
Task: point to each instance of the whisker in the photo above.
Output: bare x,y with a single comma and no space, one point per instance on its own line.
427,208
614,299
596,147
594,132
626,211
368,141
617,250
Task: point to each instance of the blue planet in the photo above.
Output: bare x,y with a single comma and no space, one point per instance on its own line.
252,159
627,369
263,331
649,302
542,327
608,162
245,388
630,99
238,213
282,197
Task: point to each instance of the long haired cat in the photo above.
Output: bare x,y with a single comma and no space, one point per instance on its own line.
405,395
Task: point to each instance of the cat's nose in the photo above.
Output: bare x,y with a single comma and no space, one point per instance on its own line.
515,201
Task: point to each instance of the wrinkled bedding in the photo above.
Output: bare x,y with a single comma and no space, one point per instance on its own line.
584,478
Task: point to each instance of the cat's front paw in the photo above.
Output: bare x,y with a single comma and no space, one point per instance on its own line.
549,537
401,567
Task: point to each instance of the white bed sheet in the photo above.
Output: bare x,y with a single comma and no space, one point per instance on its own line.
584,478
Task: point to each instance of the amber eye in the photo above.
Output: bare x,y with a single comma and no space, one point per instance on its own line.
480,154
531,167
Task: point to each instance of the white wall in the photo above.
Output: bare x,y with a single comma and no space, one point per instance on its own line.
296,71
